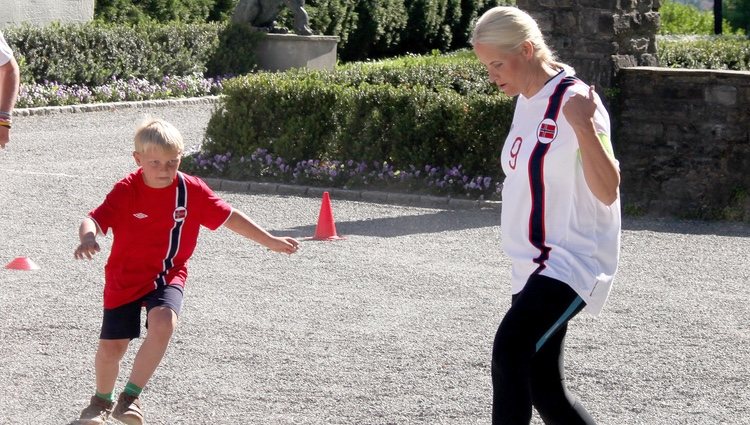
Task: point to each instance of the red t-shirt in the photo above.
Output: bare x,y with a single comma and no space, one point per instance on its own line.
155,232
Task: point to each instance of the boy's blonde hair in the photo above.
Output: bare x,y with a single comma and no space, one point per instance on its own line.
157,133
507,28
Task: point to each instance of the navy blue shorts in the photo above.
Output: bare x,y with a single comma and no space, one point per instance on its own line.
124,322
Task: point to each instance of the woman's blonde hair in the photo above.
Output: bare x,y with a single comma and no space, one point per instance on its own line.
507,28
157,133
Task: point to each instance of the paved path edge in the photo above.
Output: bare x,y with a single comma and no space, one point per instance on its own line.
113,106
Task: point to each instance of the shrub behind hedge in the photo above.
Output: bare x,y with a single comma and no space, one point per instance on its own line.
371,29
140,11
727,52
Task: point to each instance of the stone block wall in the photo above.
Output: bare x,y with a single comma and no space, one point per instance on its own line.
683,140
598,37
41,12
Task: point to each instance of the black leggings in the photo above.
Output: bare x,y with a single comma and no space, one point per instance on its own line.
527,357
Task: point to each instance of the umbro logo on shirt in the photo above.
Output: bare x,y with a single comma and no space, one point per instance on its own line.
140,216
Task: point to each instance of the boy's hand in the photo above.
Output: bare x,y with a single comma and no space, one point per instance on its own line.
87,249
283,245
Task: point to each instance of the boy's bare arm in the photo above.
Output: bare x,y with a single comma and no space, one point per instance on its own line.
241,224
87,233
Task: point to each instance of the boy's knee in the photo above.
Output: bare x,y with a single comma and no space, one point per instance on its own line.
113,349
161,322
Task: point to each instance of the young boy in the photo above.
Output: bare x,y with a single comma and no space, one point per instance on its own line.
155,214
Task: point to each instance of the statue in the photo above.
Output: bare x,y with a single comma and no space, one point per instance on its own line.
262,14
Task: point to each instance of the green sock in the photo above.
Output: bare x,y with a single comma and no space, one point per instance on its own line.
132,389
108,396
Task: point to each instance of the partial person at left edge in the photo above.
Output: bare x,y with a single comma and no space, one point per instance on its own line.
9,82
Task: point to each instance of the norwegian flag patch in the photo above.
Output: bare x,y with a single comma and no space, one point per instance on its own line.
180,213
547,130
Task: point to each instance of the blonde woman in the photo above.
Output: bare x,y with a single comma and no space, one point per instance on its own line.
560,216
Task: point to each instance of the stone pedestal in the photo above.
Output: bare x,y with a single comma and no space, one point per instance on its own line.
279,52
598,37
42,12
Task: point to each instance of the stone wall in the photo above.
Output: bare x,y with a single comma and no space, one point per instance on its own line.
598,37
41,12
683,140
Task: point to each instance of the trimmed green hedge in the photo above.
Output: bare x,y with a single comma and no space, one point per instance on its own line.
458,71
318,115
727,52
94,53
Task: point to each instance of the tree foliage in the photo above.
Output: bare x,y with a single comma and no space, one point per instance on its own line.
680,19
738,14
371,29
139,11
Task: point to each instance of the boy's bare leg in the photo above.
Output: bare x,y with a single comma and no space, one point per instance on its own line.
161,323
107,363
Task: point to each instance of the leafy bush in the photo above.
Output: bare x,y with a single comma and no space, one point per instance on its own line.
716,52
287,115
416,125
307,114
235,52
94,53
678,18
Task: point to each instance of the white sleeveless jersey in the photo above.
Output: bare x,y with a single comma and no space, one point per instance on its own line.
551,222
5,52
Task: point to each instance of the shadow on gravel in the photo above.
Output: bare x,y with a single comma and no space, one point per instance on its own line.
439,221
688,227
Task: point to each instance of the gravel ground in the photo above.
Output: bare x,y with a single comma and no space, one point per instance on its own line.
393,325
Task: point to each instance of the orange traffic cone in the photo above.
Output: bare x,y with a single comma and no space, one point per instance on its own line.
326,228
22,263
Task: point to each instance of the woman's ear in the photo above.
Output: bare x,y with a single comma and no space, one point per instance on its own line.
527,49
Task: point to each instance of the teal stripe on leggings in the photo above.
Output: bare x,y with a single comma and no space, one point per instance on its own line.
564,318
